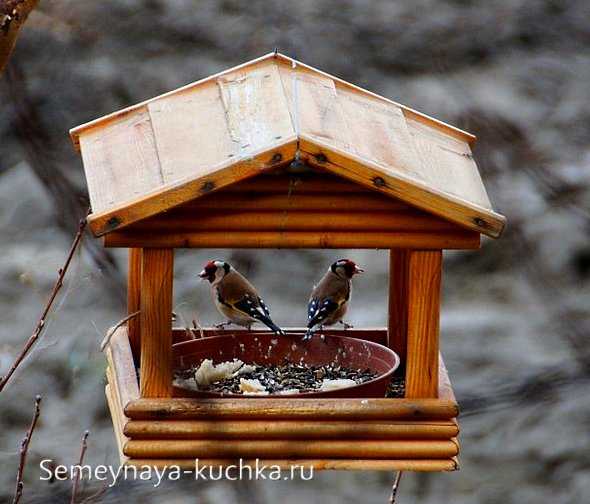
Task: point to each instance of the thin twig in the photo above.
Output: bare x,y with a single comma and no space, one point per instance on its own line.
394,487
99,493
79,468
102,490
41,322
24,448
112,330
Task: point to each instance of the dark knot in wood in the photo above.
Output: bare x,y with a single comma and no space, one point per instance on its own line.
321,158
207,187
379,182
113,223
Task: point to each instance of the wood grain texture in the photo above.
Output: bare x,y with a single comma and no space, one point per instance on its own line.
292,201
239,220
122,367
252,429
424,285
191,134
283,408
118,423
417,465
168,196
309,182
447,163
347,120
120,161
397,325
399,185
133,299
156,325
255,106
295,239
233,117
381,449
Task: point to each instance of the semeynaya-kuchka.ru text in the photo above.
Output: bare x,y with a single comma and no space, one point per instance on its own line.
241,470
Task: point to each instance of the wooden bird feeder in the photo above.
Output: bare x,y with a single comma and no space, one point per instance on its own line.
276,154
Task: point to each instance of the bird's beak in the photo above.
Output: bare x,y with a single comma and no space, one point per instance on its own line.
203,275
358,270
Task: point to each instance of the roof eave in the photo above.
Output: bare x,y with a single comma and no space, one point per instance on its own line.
344,164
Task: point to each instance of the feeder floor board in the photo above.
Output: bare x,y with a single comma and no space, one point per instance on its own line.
348,434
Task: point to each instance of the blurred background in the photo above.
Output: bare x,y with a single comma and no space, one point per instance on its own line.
515,322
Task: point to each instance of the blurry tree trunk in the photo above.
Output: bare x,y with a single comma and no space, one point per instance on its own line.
13,14
70,202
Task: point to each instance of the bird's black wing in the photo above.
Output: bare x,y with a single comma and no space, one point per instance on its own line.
264,307
257,310
320,309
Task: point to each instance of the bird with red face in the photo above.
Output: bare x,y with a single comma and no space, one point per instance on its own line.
330,298
235,297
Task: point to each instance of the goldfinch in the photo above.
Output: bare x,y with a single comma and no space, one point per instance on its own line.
235,297
330,297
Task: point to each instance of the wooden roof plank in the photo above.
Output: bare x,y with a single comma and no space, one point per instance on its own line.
408,111
411,191
285,60
313,103
255,107
380,133
120,161
191,133
170,196
447,163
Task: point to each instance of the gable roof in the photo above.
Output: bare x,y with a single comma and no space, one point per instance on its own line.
158,154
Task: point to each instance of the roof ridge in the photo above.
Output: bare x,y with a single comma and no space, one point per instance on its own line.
453,130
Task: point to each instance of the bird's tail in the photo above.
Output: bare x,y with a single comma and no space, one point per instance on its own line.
271,325
309,333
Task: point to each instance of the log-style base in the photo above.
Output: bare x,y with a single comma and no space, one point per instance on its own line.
351,434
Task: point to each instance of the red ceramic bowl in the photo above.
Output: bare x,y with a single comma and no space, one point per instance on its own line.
267,348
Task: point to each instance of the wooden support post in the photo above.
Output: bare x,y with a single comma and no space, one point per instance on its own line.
397,326
155,322
133,300
424,281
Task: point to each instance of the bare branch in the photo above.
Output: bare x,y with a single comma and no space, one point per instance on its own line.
79,468
13,14
109,335
41,322
96,495
394,487
24,448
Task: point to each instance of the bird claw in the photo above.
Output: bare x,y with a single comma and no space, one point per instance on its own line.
222,326
307,336
346,326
